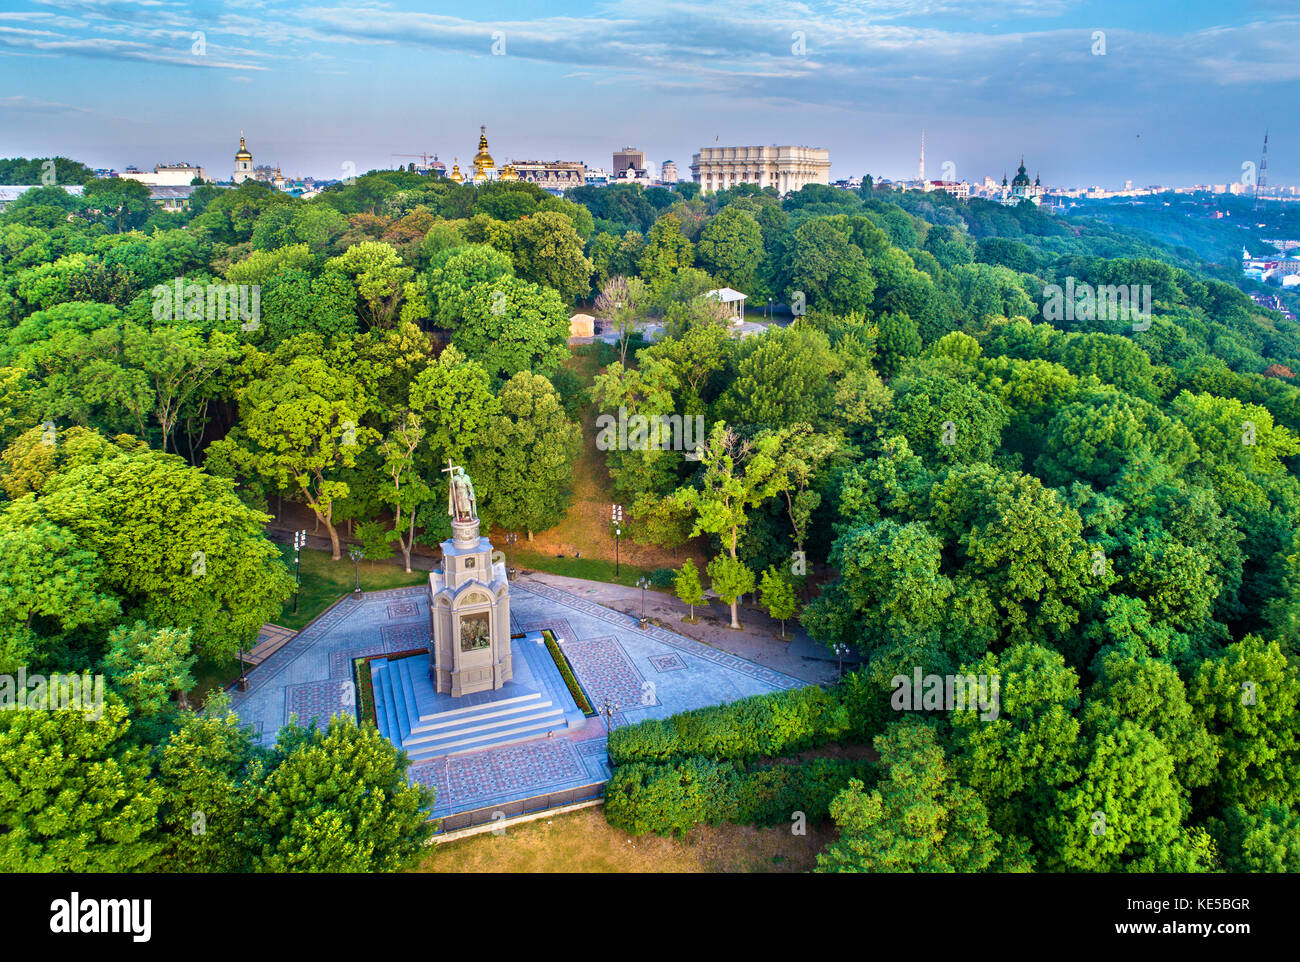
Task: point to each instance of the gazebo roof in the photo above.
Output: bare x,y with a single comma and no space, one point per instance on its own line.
727,295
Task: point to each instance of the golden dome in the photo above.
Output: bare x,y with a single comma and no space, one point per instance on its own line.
243,149
455,174
508,172
483,161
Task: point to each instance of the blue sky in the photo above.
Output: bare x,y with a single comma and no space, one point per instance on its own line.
1182,93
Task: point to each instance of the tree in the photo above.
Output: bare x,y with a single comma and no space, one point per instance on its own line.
828,268
456,271
49,584
73,796
454,401
209,770
622,300
778,596
531,448
406,490
667,251
1249,700
299,424
175,545
380,279
736,476
730,580
510,325
1126,812
897,341
919,819
731,249
145,665
121,203
688,587
1018,760
1263,841
338,801
548,251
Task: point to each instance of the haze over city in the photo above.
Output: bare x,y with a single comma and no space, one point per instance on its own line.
1090,92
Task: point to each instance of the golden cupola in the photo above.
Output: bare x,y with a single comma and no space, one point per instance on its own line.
483,162
455,174
508,172
243,149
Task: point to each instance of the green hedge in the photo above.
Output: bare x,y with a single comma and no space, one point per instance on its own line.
772,725
672,799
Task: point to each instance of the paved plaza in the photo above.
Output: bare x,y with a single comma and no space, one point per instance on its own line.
647,673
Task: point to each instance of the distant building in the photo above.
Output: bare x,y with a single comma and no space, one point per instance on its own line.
10,193
625,158
668,172
958,189
785,168
171,197
166,175
552,174
597,176
1020,190
243,162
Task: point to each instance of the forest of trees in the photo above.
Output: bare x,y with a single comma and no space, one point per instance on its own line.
916,465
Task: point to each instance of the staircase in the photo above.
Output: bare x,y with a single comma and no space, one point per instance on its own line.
410,715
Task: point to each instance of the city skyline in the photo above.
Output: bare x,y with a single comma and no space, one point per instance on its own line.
1088,92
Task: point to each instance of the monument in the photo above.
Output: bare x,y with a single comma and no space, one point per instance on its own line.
469,604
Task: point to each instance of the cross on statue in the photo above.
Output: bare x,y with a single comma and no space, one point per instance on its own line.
461,503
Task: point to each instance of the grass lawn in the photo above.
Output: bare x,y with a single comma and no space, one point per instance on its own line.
595,569
583,841
325,581
585,527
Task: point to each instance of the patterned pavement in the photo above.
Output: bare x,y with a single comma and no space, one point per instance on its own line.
646,672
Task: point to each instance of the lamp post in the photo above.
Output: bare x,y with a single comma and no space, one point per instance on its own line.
841,650
356,554
616,518
608,710
299,540
243,673
511,538
643,583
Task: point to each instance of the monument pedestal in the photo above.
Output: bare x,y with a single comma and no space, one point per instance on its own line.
470,609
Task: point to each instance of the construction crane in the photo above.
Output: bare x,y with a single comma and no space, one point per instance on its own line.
424,158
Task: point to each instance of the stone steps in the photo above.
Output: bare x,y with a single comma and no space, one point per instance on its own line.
428,734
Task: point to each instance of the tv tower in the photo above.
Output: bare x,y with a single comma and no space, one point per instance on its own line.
922,167
1261,178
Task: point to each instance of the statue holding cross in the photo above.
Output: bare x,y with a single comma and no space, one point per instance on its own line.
461,503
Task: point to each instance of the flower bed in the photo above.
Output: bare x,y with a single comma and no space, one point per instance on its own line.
566,672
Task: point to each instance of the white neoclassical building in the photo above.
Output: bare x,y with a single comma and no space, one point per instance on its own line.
785,168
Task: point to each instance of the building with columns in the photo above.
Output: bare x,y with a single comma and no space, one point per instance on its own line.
785,168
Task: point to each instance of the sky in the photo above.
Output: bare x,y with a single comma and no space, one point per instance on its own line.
1089,91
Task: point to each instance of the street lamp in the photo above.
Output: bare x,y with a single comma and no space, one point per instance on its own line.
616,518
356,554
643,583
608,710
243,673
299,540
841,650
511,538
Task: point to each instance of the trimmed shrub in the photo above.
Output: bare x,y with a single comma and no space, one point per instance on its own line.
663,577
777,724
672,799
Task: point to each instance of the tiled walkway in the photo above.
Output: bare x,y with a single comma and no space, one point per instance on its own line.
646,673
